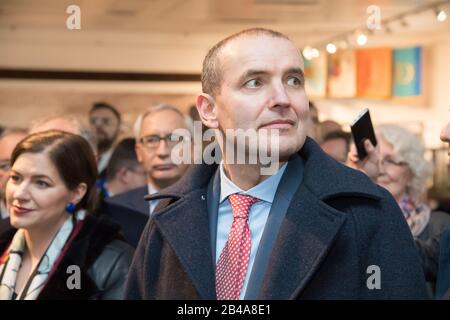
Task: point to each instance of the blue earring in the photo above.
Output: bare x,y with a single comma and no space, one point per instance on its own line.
70,208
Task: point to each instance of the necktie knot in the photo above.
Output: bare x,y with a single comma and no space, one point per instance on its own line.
241,204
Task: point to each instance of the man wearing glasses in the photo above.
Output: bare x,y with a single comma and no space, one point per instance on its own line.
155,140
8,141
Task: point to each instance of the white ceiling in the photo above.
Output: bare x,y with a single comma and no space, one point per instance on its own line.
122,35
316,19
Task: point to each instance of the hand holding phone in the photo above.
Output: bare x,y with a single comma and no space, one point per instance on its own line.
362,129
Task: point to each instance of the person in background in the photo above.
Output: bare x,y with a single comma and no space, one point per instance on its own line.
106,121
327,126
124,172
313,123
399,165
50,195
8,141
435,252
67,123
337,145
154,143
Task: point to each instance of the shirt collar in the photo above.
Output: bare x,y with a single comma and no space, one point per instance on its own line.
151,189
264,190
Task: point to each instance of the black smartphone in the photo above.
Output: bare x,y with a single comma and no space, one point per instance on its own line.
362,129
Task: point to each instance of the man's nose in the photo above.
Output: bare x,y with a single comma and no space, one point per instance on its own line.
163,149
280,96
445,133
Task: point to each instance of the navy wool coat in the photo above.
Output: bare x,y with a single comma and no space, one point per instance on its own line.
338,224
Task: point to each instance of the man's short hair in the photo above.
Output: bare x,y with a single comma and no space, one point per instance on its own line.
160,107
80,126
124,155
333,135
104,105
211,72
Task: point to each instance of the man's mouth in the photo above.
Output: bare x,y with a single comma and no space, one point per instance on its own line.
279,124
164,166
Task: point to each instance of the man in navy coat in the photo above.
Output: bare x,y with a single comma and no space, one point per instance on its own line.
318,230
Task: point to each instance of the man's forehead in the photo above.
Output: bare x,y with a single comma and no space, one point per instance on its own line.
172,120
102,112
256,48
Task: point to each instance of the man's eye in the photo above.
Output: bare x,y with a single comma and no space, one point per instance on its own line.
293,81
151,139
254,83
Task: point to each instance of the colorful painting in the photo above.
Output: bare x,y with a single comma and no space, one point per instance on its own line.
374,73
342,74
316,76
407,72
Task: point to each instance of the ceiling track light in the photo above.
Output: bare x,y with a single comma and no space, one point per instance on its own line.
345,40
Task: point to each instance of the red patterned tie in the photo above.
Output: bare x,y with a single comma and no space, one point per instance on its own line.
233,261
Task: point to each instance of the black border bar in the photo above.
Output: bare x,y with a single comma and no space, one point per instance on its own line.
29,74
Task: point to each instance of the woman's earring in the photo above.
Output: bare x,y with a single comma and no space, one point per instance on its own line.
70,208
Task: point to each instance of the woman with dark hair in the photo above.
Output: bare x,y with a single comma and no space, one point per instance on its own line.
57,250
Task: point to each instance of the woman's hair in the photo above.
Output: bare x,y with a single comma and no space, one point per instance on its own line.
409,149
71,155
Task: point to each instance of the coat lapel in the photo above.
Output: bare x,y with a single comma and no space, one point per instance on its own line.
185,225
305,237
311,226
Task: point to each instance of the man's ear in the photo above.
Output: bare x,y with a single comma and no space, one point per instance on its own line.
207,110
138,148
122,175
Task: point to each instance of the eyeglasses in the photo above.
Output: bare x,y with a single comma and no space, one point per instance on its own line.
389,162
152,141
5,165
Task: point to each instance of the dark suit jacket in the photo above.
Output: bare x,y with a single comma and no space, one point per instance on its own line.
4,225
130,211
443,279
337,225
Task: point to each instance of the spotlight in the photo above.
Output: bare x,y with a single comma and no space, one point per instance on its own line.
331,48
361,39
315,52
307,53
